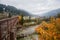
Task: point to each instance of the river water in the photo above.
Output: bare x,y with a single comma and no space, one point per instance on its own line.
29,33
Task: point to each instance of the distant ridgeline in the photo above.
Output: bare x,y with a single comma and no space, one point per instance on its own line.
12,10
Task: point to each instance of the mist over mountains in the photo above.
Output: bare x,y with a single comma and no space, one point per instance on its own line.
51,13
14,11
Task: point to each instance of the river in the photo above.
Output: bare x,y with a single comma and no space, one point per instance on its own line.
29,33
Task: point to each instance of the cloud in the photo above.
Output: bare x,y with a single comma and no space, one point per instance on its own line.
34,6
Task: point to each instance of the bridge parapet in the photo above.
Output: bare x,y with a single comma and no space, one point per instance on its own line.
8,28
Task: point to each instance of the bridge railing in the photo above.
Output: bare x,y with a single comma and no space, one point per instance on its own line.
8,26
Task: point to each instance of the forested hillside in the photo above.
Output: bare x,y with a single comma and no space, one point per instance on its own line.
13,10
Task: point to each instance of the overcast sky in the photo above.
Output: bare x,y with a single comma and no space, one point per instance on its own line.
34,6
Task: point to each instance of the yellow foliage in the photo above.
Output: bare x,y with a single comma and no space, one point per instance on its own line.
19,18
49,31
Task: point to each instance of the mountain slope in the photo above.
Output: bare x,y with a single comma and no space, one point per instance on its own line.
51,13
13,10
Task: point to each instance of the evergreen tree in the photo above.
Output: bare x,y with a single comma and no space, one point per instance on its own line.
22,19
9,15
58,15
